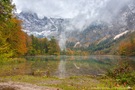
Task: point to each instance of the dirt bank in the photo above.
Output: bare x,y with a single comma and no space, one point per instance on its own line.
23,86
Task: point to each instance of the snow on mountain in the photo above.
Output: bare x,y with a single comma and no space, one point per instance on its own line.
65,29
45,27
120,35
78,44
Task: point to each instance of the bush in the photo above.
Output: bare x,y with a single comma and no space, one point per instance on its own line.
123,74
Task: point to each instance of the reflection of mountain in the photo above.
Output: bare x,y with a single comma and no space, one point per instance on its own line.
39,66
76,66
70,67
87,67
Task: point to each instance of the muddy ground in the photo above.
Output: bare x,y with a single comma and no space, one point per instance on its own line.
23,86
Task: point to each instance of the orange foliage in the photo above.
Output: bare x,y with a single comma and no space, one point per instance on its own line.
69,52
17,37
127,48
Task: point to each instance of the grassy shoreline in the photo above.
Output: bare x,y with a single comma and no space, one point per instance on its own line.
70,83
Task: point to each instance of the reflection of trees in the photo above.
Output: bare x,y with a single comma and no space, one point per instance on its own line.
14,68
77,57
71,58
67,66
32,66
80,65
44,65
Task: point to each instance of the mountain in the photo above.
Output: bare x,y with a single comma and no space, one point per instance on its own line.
96,32
45,27
99,31
123,45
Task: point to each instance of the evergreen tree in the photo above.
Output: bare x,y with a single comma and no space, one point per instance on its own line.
54,48
6,9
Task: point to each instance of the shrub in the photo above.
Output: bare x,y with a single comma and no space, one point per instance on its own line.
123,74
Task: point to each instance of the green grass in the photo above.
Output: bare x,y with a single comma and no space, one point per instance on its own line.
71,83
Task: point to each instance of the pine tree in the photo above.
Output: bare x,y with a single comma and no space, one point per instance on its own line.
6,9
54,48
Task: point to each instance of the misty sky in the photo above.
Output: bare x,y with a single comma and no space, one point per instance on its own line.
59,8
68,8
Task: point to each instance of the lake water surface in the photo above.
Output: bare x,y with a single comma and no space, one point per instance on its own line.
65,66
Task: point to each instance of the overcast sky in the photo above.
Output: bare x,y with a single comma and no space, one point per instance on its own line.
70,8
58,8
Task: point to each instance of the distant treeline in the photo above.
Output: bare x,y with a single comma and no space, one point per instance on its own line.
42,46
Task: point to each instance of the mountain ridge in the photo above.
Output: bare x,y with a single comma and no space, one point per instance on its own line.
65,32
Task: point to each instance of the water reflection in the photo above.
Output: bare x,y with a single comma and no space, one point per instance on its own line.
62,69
64,66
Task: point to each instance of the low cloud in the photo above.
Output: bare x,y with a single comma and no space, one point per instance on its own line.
81,12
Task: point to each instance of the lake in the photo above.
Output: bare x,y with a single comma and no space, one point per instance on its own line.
65,66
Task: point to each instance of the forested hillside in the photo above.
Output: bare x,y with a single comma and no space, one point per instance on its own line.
125,45
14,42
